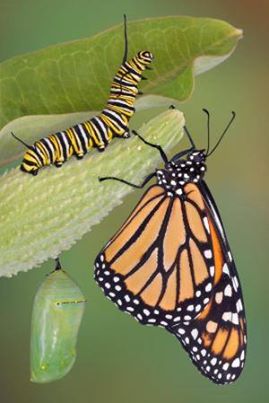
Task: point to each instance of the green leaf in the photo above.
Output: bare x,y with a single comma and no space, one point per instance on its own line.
76,76
42,216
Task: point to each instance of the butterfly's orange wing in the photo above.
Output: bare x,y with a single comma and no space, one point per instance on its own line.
159,265
216,339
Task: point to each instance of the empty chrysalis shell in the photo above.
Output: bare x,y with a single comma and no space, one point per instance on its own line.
57,312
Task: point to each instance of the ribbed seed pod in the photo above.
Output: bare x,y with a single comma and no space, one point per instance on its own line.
57,312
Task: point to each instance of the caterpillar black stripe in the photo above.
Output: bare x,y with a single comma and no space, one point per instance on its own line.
97,132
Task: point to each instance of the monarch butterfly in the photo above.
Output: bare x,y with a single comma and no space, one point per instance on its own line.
98,131
170,265
57,312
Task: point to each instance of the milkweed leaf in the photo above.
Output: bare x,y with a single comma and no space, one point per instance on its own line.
76,76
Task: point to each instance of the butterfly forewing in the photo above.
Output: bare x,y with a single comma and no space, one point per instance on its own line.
158,267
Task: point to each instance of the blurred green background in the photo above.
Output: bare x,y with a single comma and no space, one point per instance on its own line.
118,360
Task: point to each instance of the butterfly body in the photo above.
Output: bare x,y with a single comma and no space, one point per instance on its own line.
170,265
177,174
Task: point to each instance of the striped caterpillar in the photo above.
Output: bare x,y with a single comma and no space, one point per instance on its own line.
97,132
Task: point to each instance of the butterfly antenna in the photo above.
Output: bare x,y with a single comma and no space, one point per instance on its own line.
20,140
125,39
223,134
208,130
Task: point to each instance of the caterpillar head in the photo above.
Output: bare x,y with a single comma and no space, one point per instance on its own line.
31,162
145,57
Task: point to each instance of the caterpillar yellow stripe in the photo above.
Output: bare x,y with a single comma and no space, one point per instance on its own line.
97,132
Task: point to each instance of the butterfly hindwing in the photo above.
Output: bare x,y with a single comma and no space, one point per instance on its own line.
216,339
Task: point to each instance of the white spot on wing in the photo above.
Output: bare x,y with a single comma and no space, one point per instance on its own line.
208,287
236,363
235,318
208,254
152,320
198,308
239,306
235,283
228,291
194,333
213,361
219,297
225,269
146,312
227,316
206,224
225,366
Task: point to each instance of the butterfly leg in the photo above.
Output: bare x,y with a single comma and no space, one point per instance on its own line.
163,155
145,181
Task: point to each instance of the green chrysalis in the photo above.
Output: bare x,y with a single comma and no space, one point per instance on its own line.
57,312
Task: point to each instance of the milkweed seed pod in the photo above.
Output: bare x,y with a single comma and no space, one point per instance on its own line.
57,312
